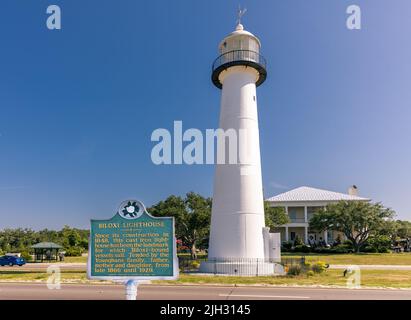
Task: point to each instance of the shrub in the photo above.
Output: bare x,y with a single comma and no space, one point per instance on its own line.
26,256
342,248
298,241
310,273
195,264
348,243
183,249
286,246
322,250
319,267
302,248
381,244
294,270
369,249
74,252
338,240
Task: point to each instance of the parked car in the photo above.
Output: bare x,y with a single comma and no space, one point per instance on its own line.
11,261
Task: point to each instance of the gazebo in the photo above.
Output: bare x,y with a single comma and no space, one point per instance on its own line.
47,251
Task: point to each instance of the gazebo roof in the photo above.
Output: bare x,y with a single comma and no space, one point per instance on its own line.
46,245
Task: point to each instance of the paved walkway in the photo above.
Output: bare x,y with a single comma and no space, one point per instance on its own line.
373,267
44,266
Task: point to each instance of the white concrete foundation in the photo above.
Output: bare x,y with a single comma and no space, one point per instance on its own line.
239,268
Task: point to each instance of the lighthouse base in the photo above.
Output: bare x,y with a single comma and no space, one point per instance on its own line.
241,267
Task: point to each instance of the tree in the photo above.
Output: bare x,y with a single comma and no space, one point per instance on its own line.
73,238
388,229
274,216
20,240
356,219
192,218
16,240
403,230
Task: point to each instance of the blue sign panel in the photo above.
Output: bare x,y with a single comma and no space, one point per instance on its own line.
133,245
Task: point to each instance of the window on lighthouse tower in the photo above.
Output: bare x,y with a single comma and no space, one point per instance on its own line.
253,45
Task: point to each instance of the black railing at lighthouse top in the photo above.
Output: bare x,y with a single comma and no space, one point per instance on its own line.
239,58
239,55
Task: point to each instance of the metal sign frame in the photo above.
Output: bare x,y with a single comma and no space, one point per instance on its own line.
126,278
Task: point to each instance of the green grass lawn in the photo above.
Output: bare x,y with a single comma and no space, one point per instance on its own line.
77,276
360,258
75,260
369,278
357,259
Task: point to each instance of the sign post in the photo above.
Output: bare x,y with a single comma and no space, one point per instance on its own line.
132,246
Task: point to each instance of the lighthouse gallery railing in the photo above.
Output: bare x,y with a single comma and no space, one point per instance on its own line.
237,56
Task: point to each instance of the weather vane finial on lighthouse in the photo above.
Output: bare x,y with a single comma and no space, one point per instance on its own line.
241,13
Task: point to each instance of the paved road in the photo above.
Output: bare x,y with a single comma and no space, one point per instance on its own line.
9,291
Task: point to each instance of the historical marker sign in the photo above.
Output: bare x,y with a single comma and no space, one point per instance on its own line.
132,245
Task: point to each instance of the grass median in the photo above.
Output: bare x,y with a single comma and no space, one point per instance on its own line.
356,259
369,278
36,276
345,259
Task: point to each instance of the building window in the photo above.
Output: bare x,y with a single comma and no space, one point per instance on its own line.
330,237
292,236
311,211
292,213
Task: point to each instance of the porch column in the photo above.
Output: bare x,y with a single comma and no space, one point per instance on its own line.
306,234
305,214
326,237
286,234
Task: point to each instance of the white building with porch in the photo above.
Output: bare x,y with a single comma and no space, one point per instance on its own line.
300,204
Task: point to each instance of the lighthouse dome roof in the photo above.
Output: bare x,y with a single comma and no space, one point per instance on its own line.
239,31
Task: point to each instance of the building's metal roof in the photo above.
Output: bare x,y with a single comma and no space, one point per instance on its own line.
306,194
46,245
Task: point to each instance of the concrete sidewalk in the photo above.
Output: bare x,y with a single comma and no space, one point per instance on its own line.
44,266
372,267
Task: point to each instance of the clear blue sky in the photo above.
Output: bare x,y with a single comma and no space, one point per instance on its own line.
78,106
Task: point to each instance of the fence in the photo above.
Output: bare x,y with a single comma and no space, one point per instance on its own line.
236,266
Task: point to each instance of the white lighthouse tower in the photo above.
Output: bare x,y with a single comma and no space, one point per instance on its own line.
238,238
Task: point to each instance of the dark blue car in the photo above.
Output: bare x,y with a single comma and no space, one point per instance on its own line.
11,261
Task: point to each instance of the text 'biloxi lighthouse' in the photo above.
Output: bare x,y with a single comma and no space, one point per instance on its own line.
237,220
